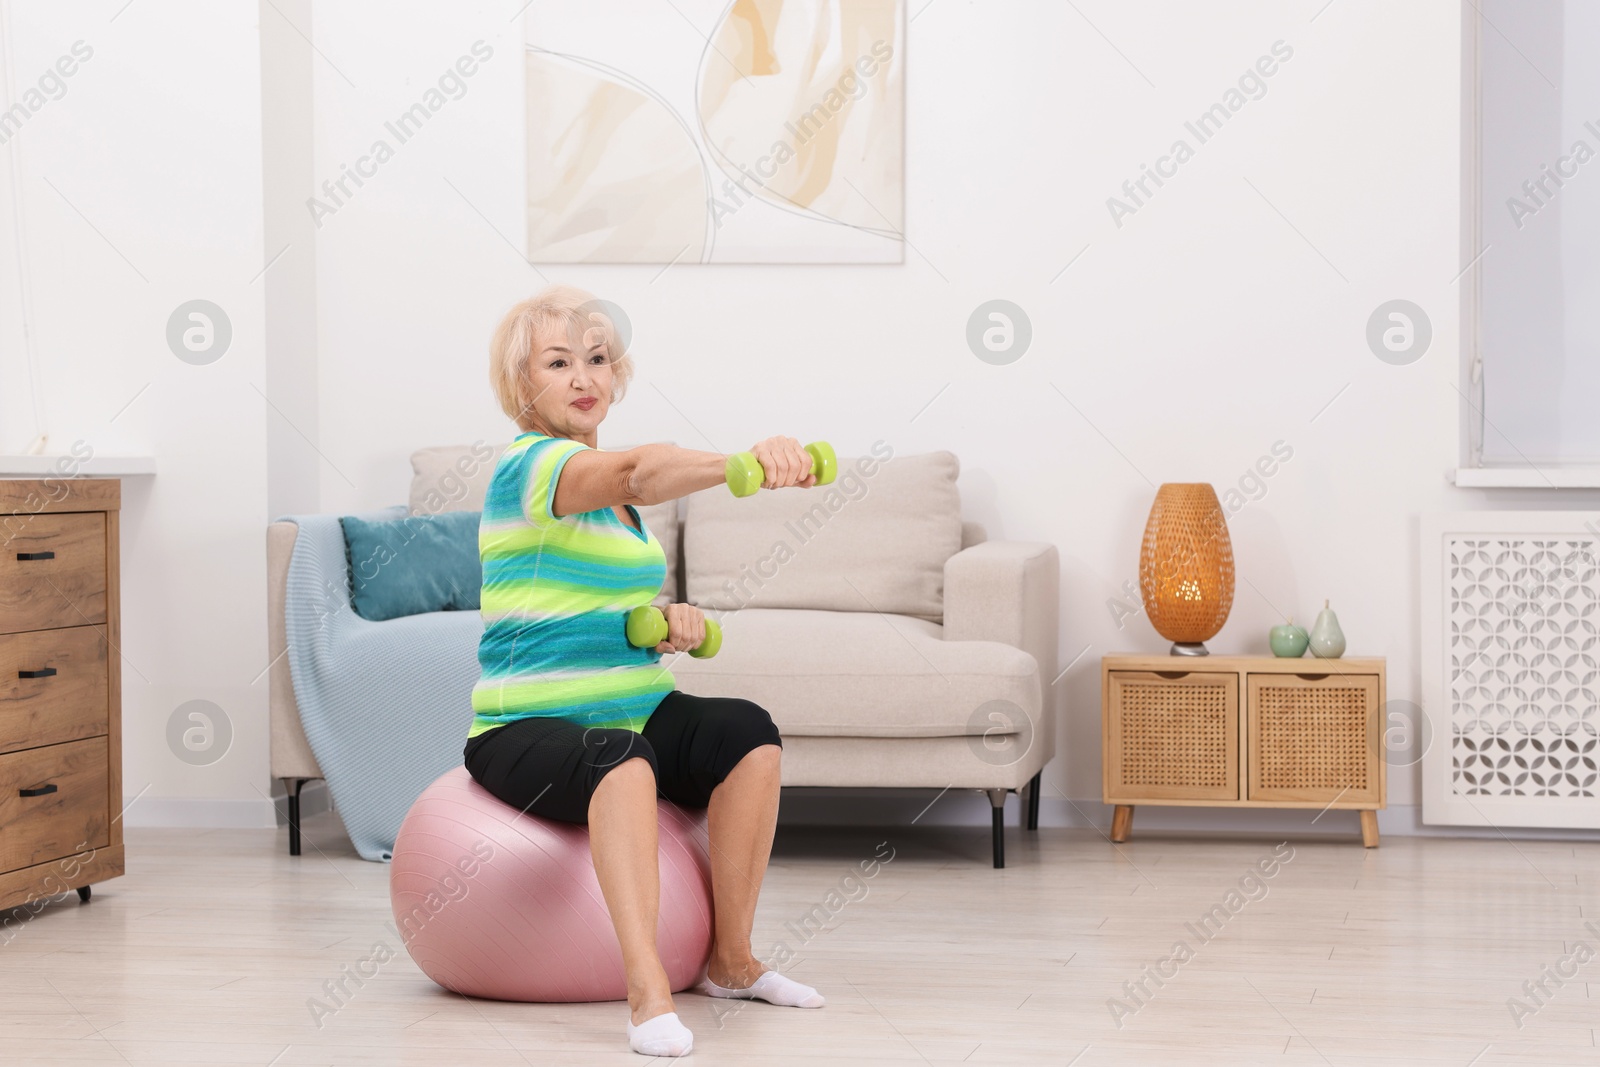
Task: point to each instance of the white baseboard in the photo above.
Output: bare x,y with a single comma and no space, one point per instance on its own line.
925,807
970,807
199,812
223,813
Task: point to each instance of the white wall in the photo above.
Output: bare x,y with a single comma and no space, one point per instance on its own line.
140,189
1222,317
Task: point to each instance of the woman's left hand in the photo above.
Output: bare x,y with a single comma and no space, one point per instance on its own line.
686,628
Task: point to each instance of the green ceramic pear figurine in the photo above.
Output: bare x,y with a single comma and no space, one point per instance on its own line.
1327,640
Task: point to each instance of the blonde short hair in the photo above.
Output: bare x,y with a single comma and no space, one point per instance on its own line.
560,306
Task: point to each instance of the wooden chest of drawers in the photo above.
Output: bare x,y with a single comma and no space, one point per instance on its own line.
60,687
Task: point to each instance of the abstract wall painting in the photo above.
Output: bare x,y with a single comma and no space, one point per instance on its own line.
703,131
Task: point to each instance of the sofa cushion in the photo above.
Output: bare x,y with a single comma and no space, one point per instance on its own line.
861,674
456,478
875,540
413,564
452,477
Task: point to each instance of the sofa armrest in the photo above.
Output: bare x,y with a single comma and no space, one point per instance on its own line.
291,755
290,752
1009,591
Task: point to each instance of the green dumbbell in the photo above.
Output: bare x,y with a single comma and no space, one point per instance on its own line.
647,628
745,474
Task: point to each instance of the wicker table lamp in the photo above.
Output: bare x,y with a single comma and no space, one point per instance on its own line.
1186,566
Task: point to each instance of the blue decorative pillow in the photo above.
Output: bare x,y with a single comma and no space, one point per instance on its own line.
413,564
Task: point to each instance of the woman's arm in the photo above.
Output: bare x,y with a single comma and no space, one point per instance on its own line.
654,474
649,474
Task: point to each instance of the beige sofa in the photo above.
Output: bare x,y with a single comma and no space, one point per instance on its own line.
893,644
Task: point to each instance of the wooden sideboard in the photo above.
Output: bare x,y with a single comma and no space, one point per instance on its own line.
60,687
1243,732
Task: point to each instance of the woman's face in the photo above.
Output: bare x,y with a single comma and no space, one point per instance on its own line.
570,375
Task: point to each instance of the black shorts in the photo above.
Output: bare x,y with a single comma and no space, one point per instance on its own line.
550,767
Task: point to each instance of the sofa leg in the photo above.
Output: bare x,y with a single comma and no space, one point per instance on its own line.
997,798
294,813
1034,785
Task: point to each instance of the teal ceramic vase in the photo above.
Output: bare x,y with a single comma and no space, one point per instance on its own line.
1288,641
1327,640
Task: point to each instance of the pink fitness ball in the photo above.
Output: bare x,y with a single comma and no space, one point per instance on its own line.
494,903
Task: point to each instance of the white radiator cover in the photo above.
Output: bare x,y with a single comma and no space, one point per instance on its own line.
1511,668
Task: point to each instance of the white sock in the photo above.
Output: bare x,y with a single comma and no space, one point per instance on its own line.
663,1035
771,987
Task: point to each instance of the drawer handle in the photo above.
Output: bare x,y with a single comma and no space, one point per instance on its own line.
41,791
1172,676
1311,677
43,672
36,555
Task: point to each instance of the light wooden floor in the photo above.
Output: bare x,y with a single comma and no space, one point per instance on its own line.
209,950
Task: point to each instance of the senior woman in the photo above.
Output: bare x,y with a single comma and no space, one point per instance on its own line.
570,721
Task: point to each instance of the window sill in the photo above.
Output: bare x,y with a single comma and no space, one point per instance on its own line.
1551,477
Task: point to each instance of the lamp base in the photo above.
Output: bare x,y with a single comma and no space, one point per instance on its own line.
1190,648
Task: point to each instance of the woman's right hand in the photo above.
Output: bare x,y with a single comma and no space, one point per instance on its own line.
783,462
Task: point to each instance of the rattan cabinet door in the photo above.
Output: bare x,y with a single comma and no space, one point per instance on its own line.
1172,735
1313,738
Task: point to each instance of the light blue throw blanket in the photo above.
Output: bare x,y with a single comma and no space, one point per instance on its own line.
385,705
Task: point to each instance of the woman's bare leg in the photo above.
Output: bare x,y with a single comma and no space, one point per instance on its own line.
622,839
742,817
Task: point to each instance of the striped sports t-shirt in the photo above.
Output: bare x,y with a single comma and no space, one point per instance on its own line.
556,594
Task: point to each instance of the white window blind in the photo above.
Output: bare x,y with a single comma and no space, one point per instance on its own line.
1539,223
